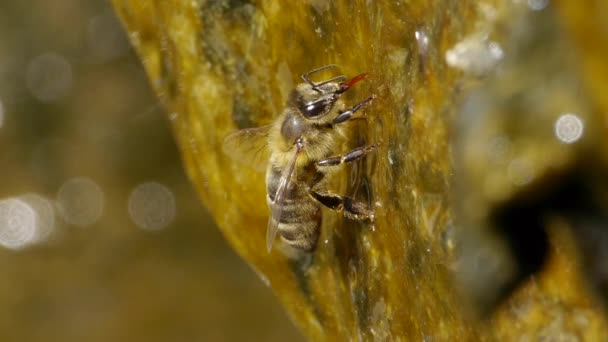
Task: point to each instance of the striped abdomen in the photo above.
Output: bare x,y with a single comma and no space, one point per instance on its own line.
300,220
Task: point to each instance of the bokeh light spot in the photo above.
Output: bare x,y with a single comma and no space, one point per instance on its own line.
49,77
17,223
569,128
80,201
152,206
45,216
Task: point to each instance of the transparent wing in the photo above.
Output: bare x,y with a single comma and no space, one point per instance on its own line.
277,205
249,147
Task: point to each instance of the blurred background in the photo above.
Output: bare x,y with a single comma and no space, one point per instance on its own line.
102,237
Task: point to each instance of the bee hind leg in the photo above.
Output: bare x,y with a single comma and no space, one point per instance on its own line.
351,209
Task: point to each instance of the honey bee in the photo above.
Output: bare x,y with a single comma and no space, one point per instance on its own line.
299,148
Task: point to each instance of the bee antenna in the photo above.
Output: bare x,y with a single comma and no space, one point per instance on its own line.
316,85
337,78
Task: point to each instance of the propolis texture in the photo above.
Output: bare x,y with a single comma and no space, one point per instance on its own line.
468,93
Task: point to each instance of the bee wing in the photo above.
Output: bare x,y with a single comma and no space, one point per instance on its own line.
277,205
249,146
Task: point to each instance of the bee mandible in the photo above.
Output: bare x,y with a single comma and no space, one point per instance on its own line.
299,148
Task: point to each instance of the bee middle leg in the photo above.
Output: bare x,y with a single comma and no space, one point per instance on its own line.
351,156
351,208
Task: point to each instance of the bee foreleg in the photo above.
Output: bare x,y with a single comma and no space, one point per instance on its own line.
351,156
349,207
347,114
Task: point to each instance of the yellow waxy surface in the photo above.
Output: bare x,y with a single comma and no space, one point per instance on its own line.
464,119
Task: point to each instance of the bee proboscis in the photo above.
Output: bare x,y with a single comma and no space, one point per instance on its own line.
298,149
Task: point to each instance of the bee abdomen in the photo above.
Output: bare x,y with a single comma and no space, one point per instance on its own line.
300,218
300,222
301,235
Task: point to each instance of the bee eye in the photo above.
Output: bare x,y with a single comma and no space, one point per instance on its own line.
315,108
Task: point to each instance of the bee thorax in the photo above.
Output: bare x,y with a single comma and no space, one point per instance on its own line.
293,127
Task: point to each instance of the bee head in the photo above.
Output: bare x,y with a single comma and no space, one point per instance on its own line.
314,103
314,100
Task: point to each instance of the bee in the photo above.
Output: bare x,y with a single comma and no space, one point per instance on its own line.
299,152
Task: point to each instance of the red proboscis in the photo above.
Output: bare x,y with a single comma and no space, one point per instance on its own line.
355,80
